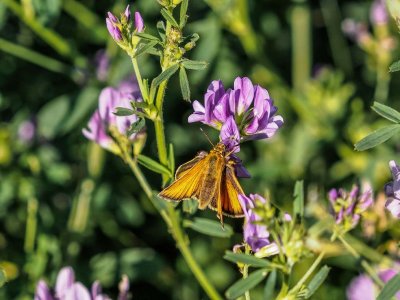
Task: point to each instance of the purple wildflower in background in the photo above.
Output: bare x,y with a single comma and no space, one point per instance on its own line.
68,289
392,191
363,287
356,31
102,65
27,131
256,235
245,112
378,13
347,207
104,118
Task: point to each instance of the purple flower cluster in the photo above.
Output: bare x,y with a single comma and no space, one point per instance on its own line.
392,190
378,13
104,118
242,113
68,289
255,235
363,288
116,27
347,207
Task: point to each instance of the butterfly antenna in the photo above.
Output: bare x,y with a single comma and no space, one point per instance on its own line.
208,139
233,150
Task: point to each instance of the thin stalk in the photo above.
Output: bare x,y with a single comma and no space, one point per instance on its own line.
142,89
285,286
173,222
159,129
301,48
367,267
31,225
245,274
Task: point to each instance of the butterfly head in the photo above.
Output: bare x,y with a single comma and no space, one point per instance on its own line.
220,148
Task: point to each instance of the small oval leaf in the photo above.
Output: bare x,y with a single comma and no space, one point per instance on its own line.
386,112
317,280
209,227
165,75
377,137
243,285
184,83
123,111
246,259
390,289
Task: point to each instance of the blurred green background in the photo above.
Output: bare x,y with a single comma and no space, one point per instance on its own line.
88,209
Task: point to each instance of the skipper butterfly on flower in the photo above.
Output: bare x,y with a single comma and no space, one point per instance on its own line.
209,178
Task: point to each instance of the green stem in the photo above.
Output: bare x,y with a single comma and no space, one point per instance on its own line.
31,225
159,129
284,288
172,220
245,274
142,89
367,267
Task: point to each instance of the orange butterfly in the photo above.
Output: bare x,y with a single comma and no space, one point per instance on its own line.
209,178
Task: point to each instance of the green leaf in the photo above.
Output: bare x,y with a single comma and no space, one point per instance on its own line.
123,111
146,48
147,36
317,280
298,204
270,286
168,16
390,289
183,11
386,112
52,115
190,206
395,67
247,259
152,165
243,285
3,277
184,82
209,227
165,75
136,126
377,137
194,64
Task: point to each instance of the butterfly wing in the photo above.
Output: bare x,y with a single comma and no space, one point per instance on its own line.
227,203
188,182
184,168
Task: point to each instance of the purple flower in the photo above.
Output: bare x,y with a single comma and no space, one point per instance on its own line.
363,287
139,24
127,13
68,289
27,131
356,31
378,13
347,207
114,27
242,113
392,190
256,235
104,118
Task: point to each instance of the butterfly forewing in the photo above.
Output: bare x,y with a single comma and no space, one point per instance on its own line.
184,168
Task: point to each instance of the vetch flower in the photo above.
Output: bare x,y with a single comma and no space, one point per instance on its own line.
256,235
68,289
392,191
243,113
105,121
347,207
102,65
122,30
27,131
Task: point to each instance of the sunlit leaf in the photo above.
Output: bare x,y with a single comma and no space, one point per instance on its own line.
184,83
168,16
270,285
183,11
387,112
123,111
136,126
243,285
145,48
209,227
377,137
165,75
390,289
316,282
194,64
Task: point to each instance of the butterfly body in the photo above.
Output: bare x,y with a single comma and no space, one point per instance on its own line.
210,178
